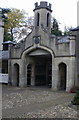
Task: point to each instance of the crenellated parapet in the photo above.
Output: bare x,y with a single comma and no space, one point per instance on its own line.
42,5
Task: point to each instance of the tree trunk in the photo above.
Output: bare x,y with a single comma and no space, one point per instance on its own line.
12,33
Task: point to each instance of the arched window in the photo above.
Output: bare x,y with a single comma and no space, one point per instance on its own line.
47,19
62,75
38,17
16,74
29,69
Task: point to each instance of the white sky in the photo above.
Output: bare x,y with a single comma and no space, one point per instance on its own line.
65,11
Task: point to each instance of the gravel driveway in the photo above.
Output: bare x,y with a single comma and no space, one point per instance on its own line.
35,102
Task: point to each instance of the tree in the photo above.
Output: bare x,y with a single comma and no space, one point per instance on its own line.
7,36
4,12
55,28
75,100
15,20
29,22
67,30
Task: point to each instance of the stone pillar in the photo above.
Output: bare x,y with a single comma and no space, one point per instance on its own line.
1,38
54,75
55,78
23,77
77,58
10,74
1,33
70,74
72,45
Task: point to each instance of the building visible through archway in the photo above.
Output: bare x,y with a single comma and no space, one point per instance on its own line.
43,71
29,74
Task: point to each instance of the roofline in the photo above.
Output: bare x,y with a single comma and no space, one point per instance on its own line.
75,29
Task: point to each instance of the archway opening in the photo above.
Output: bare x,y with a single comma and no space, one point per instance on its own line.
41,69
62,75
29,68
16,74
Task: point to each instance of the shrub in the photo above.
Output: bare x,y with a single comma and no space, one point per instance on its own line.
75,100
73,89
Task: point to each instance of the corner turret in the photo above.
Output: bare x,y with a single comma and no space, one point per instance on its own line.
42,17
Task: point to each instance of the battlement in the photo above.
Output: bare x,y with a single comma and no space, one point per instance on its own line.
43,4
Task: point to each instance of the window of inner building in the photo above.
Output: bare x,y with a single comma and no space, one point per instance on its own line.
47,19
38,17
29,70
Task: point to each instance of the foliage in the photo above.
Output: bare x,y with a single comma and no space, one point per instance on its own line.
4,12
15,18
67,30
15,22
75,100
73,89
55,28
29,22
7,36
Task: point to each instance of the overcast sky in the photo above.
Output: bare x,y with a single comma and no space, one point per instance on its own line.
65,11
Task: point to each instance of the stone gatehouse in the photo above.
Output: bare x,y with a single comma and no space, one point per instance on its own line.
42,59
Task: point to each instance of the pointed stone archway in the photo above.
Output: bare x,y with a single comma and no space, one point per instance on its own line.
41,58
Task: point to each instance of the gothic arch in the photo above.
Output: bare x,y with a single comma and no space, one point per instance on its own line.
39,47
45,63
62,75
16,74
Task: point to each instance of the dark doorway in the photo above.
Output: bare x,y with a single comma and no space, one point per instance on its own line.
40,78
62,76
50,74
16,74
5,66
43,71
29,74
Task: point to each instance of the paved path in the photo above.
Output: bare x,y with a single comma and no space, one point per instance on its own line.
36,103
